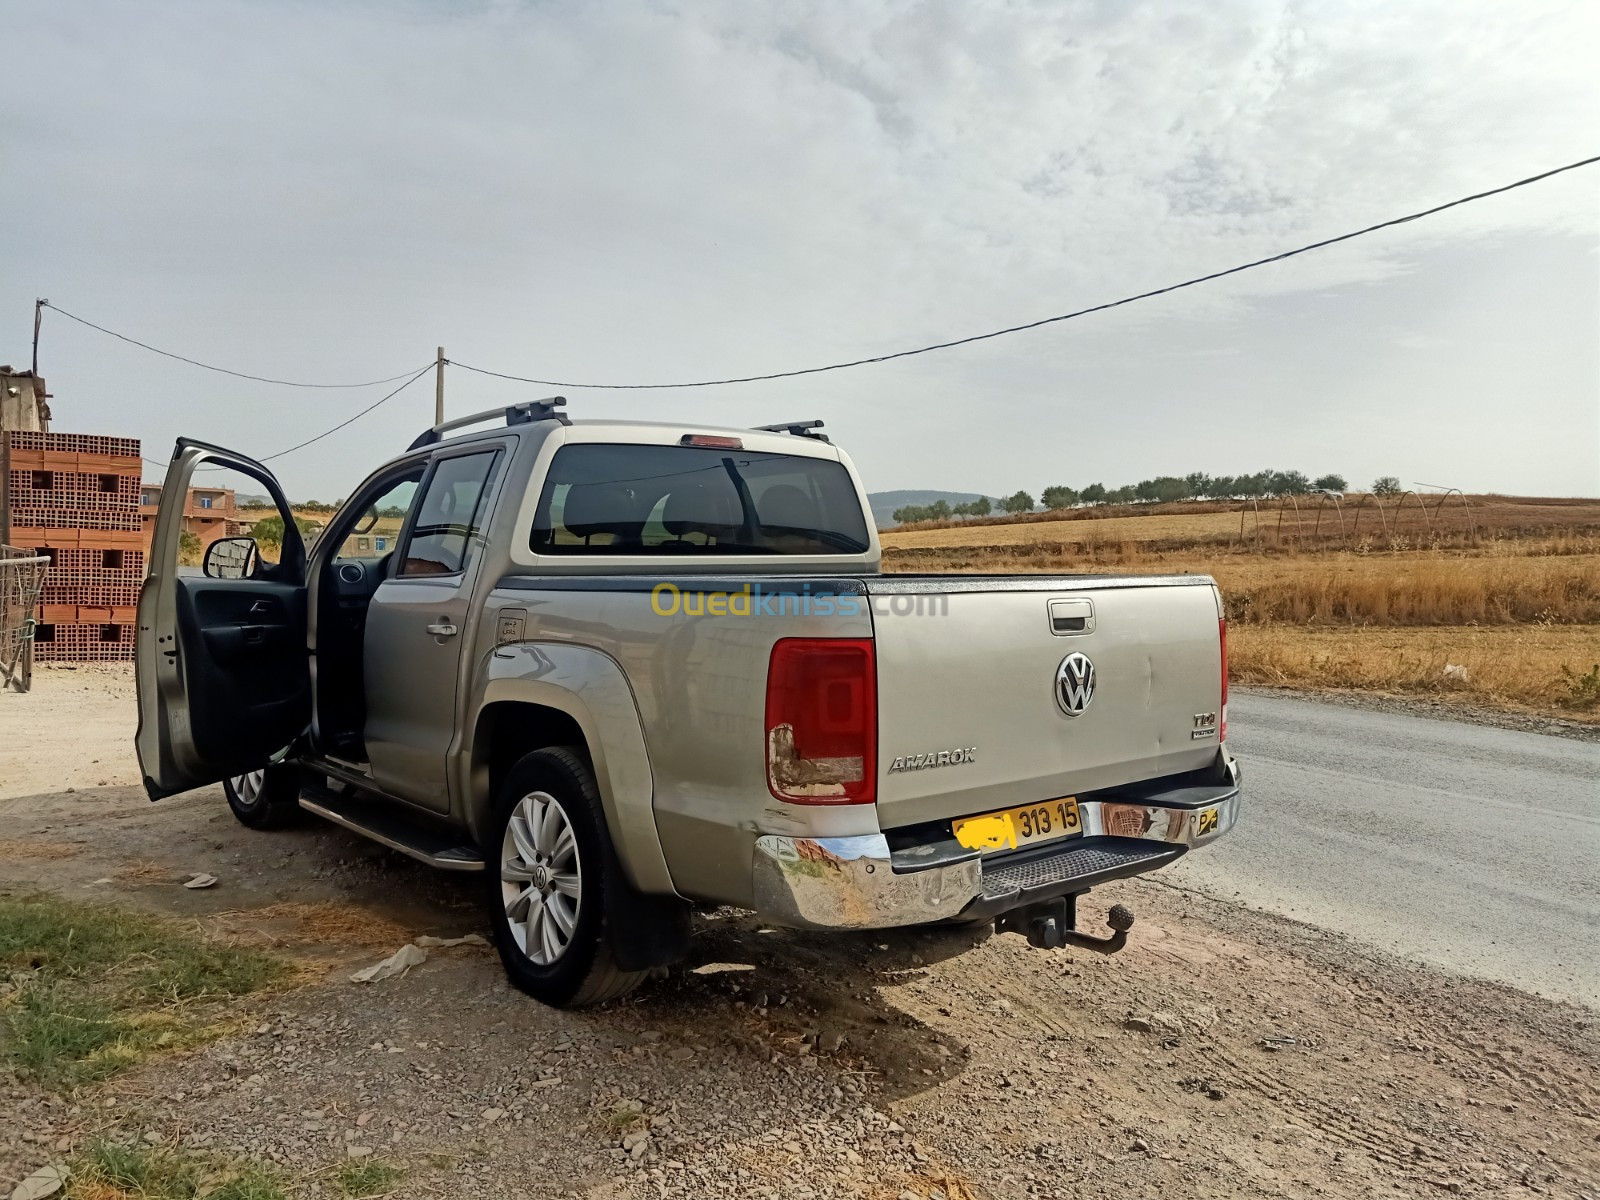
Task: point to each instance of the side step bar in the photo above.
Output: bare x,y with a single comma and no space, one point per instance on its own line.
380,821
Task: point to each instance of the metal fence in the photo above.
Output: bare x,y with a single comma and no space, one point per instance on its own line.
21,579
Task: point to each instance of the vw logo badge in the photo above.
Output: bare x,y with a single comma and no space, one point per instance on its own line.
1074,684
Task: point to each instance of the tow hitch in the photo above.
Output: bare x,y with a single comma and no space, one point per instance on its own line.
1050,924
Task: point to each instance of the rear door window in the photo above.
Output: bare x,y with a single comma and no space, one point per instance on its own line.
669,500
450,512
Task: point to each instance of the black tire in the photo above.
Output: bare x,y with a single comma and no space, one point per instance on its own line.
579,966
266,799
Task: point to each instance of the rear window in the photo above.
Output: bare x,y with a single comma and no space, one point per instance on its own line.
666,500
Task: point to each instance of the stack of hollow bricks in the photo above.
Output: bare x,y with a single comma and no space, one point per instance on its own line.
74,498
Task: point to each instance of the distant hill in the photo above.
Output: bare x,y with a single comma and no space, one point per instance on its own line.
884,503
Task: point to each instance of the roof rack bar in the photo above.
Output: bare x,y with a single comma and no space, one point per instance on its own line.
517,414
797,428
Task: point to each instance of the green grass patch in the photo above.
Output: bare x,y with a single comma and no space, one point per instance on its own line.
367,1178
623,1116
1583,690
90,990
110,1171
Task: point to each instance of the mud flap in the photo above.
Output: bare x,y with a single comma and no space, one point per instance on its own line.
645,931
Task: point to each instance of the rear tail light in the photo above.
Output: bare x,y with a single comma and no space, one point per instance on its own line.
1222,717
822,721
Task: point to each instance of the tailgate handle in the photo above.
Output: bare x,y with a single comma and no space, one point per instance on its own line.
1069,617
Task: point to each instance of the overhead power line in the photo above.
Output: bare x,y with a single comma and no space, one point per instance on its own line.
351,419
194,362
1082,312
878,358
411,377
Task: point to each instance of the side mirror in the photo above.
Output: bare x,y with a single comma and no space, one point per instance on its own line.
232,558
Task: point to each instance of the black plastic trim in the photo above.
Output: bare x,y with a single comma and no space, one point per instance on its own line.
398,826
1151,856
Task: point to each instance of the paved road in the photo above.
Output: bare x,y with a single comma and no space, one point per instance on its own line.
1474,848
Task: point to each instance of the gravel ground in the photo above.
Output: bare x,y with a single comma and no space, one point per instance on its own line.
1223,1053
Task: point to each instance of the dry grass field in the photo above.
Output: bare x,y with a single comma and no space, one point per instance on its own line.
1504,611
1137,528
1546,668
1416,589
1410,516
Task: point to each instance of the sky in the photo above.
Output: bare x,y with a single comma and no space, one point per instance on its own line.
650,192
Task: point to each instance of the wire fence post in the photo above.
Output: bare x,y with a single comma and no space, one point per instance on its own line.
1447,492
1245,506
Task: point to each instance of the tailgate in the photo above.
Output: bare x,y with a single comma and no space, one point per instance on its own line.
969,711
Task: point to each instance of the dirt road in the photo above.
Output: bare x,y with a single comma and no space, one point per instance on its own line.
1225,1053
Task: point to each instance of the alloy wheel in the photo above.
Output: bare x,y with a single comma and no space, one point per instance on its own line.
541,878
248,786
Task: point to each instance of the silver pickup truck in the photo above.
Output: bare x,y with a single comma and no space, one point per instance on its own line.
624,669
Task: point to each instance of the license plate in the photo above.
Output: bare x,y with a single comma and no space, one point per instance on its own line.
1012,828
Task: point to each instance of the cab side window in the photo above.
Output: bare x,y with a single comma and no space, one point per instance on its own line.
448,516
377,530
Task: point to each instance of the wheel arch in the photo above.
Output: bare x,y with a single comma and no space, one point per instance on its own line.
582,700
506,730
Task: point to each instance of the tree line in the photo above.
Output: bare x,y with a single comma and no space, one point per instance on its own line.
1163,488
257,503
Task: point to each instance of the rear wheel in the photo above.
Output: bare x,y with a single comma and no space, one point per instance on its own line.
551,863
265,799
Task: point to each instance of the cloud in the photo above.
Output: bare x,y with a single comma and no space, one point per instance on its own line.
656,191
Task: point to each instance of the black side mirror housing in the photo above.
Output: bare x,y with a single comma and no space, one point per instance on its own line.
232,558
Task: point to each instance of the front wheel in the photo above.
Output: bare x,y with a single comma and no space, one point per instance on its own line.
550,865
265,799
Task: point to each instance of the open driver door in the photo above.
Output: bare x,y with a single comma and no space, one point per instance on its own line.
221,660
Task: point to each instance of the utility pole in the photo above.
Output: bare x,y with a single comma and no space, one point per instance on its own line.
438,388
38,315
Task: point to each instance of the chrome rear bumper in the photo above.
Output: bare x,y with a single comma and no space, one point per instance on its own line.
854,883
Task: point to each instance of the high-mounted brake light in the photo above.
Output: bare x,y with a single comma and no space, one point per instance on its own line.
822,721
711,441
1222,638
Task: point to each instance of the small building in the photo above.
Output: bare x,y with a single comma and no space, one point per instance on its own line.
208,513
24,403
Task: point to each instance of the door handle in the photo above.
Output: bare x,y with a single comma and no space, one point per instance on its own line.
443,629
